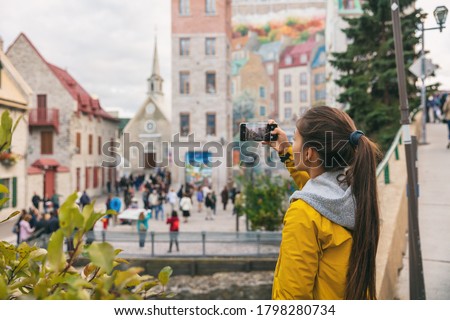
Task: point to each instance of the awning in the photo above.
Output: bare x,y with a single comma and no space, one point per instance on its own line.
43,163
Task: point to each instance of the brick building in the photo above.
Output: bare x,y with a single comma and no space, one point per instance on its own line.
67,126
201,79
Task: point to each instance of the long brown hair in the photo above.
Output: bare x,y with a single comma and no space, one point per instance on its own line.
328,130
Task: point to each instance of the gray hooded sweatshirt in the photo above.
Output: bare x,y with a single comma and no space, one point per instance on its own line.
332,199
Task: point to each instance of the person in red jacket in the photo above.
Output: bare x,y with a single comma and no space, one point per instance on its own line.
174,228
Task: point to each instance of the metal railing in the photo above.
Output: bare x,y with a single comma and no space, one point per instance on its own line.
384,165
203,243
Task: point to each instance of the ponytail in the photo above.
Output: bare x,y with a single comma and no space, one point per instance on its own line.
361,274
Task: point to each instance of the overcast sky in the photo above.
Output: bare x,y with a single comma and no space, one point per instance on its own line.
107,45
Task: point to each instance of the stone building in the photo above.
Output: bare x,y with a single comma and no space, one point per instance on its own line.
68,127
201,95
294,80
150,127
15,96
261,7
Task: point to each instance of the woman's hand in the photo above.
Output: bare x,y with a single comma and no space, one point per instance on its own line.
282,143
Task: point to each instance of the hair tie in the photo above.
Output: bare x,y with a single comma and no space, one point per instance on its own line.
355,136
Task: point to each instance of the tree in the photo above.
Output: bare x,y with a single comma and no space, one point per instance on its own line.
368,69
264,201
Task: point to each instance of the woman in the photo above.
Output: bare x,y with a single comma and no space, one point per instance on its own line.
446,111
186,207
25,229
174,229
331,229
142,227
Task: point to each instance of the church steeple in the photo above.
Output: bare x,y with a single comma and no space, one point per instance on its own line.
155,81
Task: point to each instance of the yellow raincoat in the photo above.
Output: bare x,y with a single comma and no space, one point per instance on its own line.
314,251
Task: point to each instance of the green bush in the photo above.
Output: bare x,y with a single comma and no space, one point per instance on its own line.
30,272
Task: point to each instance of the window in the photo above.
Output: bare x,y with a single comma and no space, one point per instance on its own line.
287,113
184,7
185,46
320,94
262,92
91,142
78,143
287,97
288,60
287,80
303,96
303,78
88,176
262,111
46,142
78,179
99,147
95,177
42,101
11,184
269,69
210,82
319,78
303,58
184,82
210,46
184,124
211,124
210,7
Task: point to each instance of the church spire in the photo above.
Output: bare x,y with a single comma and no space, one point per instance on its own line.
155,59
155,81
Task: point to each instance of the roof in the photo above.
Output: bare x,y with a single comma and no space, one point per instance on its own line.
270,51
46,163
62,169
316,59
34,170
238,43
122,124
236,66
296,52
86,103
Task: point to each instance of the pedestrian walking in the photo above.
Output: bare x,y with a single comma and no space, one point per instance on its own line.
209,207
25,229
142,227
446,111
36,200
174,229
172,198
224,195
84,200
186,207
331,229
200,198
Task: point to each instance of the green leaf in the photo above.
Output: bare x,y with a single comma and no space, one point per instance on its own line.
70,202
55,257
102,255
16,123
2,202
92,220
38,255
164,275
3,289
6,121
69,219
12,215
3,189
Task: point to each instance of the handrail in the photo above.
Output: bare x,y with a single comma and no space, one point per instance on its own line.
384,165
388,155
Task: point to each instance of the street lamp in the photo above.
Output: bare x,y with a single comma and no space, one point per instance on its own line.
440,14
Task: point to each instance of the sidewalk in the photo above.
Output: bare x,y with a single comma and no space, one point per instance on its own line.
434,216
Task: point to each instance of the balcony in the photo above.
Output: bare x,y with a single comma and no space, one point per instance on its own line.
44,118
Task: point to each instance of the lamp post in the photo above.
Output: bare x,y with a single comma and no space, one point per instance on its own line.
440,14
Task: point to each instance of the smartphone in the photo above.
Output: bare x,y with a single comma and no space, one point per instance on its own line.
257,131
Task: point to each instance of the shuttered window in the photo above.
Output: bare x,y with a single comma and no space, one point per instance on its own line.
46,142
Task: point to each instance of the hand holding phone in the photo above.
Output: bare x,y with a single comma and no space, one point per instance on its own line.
257,131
